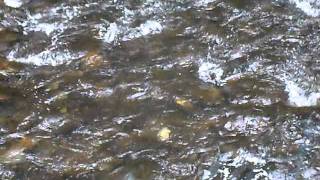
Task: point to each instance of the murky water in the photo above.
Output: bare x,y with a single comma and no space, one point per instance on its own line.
146,89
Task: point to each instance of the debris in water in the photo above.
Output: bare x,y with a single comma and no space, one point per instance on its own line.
184,103
164,134
92,59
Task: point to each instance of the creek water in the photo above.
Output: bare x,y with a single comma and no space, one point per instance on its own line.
147,89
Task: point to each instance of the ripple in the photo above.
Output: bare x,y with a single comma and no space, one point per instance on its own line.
160,89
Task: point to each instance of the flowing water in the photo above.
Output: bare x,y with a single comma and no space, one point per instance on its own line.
160,89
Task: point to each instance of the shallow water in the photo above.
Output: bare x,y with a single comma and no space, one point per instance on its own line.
145,89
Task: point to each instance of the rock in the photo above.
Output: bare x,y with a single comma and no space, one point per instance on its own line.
209,95
7,36
53,86
7,67
7,39
15,153
162,74
72,75
3,64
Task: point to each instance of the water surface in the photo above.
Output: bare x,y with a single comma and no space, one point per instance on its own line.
145,89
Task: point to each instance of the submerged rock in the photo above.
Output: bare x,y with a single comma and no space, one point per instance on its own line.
209,95
8,66
15,153
8,36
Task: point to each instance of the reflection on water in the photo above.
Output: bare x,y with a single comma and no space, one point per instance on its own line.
146,89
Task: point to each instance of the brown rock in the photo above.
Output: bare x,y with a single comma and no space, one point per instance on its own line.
7,36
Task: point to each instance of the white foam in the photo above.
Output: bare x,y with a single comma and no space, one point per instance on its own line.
46,57
48,28
104,92
236,55
248,125
40,22
123,32
278,175
308,6
203,2
225,173
150,27
13,3
36,23
207,70
245,156
242,157
138,95
110,34
311,173
206,175
299,97
51,123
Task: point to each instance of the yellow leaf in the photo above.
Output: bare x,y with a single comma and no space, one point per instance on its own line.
93,59
184,103
164,134
64,110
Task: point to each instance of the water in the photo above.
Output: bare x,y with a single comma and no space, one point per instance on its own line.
150,89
